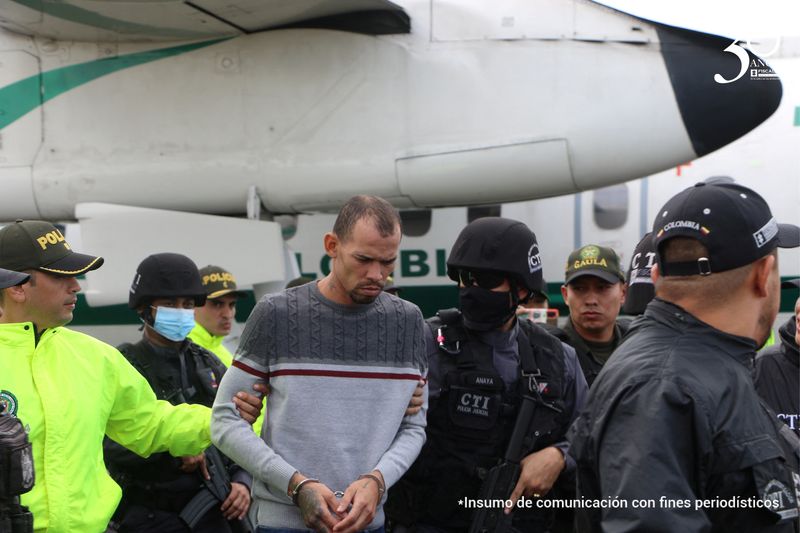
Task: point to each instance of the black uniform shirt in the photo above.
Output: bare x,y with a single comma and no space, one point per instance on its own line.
673,419
777,376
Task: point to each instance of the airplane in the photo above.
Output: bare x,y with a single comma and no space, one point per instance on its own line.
615,216
195,126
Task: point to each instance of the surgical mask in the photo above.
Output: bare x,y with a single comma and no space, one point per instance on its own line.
172,323
485,310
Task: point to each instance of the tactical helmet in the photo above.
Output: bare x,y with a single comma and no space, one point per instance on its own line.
165,276
498,245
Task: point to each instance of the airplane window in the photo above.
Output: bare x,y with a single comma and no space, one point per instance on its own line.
416,222
480,211
611,206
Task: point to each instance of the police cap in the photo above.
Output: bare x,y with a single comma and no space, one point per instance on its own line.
218,282
39,245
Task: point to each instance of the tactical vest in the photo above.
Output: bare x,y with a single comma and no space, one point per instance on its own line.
470,424
159,483
200,372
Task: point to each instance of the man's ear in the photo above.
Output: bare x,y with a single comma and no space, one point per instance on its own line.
331,244
655,273
760,275
16,294
564,293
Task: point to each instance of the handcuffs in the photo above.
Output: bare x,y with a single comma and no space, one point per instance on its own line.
338,493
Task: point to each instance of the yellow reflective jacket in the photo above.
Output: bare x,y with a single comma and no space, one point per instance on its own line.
70,389
202,337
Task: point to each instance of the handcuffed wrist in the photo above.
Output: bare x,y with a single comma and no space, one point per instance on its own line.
381,486
296,491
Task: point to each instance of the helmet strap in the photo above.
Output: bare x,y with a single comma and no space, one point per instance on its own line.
147,316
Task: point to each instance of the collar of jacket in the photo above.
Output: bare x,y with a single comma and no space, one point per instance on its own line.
577,342
742,349
24,333
204,338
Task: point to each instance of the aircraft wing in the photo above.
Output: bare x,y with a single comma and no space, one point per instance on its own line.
117,230
168,20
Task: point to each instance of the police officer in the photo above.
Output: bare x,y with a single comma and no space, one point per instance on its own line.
594,289
69,389
215,318
777,370
156,491
640,283
674,431
483,360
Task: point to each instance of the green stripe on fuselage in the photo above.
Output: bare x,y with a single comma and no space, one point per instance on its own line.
23,96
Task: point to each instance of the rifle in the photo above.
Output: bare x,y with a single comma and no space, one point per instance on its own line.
501,479
214,492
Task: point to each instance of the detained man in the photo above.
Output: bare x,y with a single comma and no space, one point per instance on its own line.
342,358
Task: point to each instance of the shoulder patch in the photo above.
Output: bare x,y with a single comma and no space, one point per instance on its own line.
8,403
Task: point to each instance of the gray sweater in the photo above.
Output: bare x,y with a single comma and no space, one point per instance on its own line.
341,378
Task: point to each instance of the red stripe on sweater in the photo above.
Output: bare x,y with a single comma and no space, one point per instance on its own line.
343,374
250,370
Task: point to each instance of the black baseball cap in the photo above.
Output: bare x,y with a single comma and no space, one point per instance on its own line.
734,223
594,260
218,282
640,286
39,245
9,278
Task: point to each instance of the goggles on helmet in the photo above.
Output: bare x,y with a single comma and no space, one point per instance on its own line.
481,278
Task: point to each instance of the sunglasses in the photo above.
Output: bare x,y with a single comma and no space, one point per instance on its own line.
483,279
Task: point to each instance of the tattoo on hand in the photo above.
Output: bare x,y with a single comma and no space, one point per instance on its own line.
311,507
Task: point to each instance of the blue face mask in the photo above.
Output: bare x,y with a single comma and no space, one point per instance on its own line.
173,324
